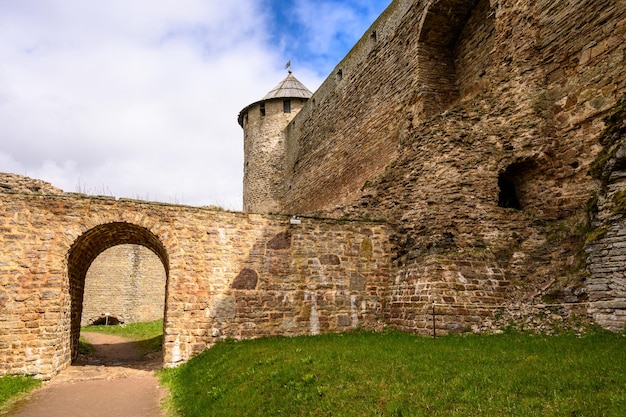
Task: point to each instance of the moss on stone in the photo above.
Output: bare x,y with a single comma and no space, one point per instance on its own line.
620,202
611,138
592,206
615,124
596,234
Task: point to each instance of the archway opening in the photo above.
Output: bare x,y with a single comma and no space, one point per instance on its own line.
125,284
87,249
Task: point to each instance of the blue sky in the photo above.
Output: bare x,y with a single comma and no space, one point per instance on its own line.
317,34
140,98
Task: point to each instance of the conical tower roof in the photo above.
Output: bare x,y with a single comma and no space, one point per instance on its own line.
290,87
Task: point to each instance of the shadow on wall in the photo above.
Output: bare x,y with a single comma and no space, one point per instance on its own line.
312,278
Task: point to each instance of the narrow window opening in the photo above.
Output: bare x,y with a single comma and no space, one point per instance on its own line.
339,75
262,108
287,106
374,36
507,198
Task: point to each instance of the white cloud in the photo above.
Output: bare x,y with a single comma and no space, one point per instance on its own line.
135,98
140,98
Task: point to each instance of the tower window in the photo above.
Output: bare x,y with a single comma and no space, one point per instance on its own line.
339,75
262,108
287,106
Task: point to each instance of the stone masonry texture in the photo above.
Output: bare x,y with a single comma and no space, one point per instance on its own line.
471,153
264,138
228,274
472,126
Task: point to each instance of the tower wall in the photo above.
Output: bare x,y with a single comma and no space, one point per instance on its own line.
264,153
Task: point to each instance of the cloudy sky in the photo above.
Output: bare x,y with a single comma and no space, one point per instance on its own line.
140,98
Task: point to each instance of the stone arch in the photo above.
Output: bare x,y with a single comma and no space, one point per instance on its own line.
453,35
86,249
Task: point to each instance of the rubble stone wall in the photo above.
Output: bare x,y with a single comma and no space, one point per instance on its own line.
477,128
606,243
264,151
472,126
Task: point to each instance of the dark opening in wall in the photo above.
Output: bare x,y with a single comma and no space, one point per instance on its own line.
507,197
107,321
515,185
287,106
339,75
262,108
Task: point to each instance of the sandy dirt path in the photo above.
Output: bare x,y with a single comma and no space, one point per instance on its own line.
115,382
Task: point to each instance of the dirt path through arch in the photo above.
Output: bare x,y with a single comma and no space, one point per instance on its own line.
116,381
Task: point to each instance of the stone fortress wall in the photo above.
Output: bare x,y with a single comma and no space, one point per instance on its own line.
264,141
487,134
127,281
471,125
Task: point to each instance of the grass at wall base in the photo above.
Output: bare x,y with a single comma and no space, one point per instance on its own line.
13,388
398,374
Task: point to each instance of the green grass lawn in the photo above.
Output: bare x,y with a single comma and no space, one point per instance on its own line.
397,374
13,388
149,335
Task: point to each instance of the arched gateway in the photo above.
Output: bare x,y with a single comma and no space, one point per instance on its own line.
87,248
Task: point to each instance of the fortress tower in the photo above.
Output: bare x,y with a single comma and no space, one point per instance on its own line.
264,123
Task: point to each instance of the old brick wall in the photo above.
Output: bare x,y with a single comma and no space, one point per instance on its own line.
552,67
349,130
465,290
126,281
482,164
15,183
228,274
